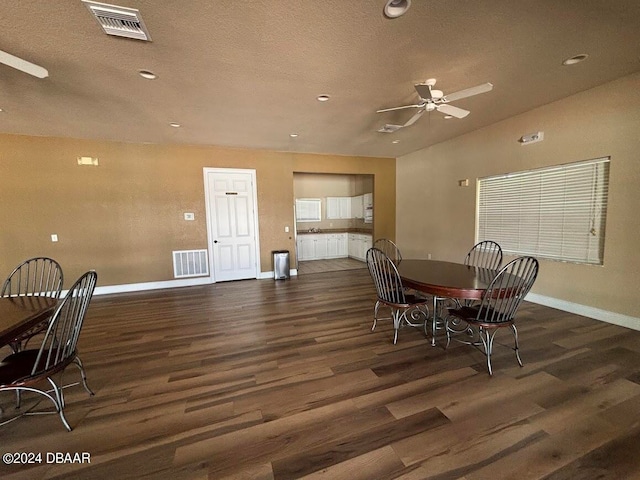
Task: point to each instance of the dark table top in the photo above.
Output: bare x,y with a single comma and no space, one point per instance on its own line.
445,279
19,314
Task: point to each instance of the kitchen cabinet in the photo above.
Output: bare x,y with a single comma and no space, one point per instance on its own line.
357,206
337,245
321,246
338,207
368,207
359,243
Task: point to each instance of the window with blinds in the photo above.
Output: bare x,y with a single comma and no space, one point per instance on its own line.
556,212
308,209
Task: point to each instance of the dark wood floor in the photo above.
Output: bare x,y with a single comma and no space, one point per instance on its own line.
284,379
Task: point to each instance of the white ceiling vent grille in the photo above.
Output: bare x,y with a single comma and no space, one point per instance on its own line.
119,21
389,128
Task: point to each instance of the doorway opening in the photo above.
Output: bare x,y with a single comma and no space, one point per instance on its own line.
333,235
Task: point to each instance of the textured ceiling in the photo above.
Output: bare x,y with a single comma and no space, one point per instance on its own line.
247,73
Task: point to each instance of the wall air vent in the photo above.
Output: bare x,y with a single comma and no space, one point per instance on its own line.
119,21
190,263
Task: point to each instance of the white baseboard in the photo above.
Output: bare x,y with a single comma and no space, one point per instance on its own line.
185,282
139,287
586,311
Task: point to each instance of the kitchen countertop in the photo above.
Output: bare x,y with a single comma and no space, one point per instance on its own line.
336,230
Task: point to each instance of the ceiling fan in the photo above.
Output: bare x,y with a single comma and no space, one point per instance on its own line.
432,99
22,65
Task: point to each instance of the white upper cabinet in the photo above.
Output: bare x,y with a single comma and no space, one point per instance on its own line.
338,207
357,206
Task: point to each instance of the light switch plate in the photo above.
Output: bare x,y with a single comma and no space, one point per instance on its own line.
189,216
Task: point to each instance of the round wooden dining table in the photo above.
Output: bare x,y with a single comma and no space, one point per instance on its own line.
19,314
445,279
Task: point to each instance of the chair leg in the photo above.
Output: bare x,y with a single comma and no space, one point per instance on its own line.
78,363
516,346
446,330
397,318
487,341
375,315
59,403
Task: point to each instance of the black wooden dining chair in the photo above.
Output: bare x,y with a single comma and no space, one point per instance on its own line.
23,371
485,254
406,308
38,276
389,248
496,310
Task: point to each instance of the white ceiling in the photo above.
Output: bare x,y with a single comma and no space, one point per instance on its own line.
246,73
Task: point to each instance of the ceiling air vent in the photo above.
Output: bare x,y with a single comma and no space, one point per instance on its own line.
389,128
119,21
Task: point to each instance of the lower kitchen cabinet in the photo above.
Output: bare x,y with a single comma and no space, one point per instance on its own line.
318,246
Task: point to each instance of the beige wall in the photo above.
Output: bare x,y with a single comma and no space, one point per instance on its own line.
124,217
604,121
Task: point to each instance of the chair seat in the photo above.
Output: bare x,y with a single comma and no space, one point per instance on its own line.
17,367
415,299
478,315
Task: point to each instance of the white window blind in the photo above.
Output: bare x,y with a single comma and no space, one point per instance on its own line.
308,209
555,212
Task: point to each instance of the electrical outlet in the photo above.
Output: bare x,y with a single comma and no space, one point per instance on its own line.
54,237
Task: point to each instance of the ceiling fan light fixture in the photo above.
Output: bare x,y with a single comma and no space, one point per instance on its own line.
396,8
575,59
323,98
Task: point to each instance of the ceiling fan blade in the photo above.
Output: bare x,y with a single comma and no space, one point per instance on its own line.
424,91
469,92
399,108
23,65
415,117
453,111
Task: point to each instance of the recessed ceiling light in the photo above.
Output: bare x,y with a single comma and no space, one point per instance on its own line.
175,125
323,98
1,110
396,8
395,141
447,117
575,59
293,135
147,74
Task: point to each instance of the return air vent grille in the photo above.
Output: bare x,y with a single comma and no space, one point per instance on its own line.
190,263
119,21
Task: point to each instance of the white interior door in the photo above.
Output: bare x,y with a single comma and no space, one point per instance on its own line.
232,225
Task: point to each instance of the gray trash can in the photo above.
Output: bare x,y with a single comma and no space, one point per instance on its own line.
281,264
